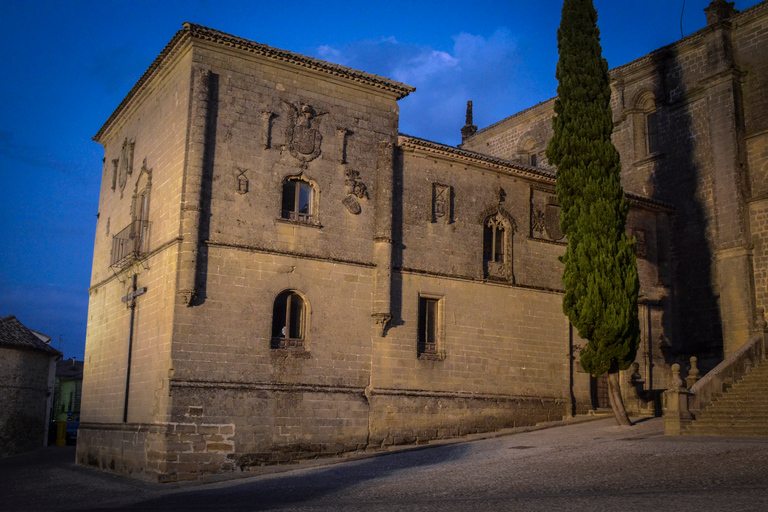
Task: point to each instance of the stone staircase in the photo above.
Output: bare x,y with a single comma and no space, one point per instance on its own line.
742,410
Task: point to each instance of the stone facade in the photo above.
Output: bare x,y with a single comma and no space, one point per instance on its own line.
27,368
278,274
690,125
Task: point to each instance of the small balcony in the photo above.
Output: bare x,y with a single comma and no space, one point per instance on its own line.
130,244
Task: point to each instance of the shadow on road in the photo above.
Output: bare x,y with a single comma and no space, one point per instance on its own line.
309,485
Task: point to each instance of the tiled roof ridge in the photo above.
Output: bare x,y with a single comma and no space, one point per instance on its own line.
191,30
15,334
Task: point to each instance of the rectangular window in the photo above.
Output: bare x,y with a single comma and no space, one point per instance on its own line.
533,159
653,134
428,326
498,246
297,201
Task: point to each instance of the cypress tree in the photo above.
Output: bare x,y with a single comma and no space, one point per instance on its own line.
600,271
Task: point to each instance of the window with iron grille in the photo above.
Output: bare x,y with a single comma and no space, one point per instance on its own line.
132,242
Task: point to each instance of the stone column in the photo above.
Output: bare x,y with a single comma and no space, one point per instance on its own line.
732,248
382,237
197,124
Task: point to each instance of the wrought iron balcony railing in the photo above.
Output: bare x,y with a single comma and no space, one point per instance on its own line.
130,244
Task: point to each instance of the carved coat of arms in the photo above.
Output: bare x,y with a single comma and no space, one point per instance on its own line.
355,189
302,136
552,221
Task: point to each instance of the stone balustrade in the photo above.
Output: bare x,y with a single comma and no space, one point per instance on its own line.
682,404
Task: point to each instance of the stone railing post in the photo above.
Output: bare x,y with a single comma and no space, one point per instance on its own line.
676,414
693,374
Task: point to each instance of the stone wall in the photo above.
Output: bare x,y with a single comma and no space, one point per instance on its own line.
24,376
154,135
705,94
392,222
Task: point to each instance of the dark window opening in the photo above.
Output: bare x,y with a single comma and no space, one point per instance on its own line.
493,241
297,201
533,159
653,133
428,325
288,320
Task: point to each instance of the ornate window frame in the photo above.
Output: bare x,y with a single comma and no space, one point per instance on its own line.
497,262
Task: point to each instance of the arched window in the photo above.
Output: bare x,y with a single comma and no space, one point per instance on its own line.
288,321
528,151
645,122
298,199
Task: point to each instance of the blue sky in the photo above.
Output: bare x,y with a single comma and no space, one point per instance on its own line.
68,64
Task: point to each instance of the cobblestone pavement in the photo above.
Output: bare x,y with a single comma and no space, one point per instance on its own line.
587,466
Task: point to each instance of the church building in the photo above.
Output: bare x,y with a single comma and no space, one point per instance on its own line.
280,274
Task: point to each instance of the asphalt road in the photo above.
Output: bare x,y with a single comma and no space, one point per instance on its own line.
582,467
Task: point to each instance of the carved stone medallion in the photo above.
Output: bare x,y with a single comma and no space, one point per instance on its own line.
352,204
302,136
354,185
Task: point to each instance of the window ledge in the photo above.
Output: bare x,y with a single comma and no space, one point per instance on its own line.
650,158
299,223
431,356
295,344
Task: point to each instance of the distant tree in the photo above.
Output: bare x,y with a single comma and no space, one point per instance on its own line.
600,271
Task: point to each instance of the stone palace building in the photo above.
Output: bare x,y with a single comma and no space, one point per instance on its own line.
280,274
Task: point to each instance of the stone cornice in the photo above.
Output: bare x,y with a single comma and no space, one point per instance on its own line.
208,34
512,168
470,157
192,32
649,204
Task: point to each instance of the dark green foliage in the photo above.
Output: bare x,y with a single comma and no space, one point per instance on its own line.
600,273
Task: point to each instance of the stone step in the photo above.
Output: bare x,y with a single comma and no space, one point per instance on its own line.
738,388
735,410
747,420
740,405
755,432
722,416
742,409
732,402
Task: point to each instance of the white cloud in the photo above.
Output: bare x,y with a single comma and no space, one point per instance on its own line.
478,68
